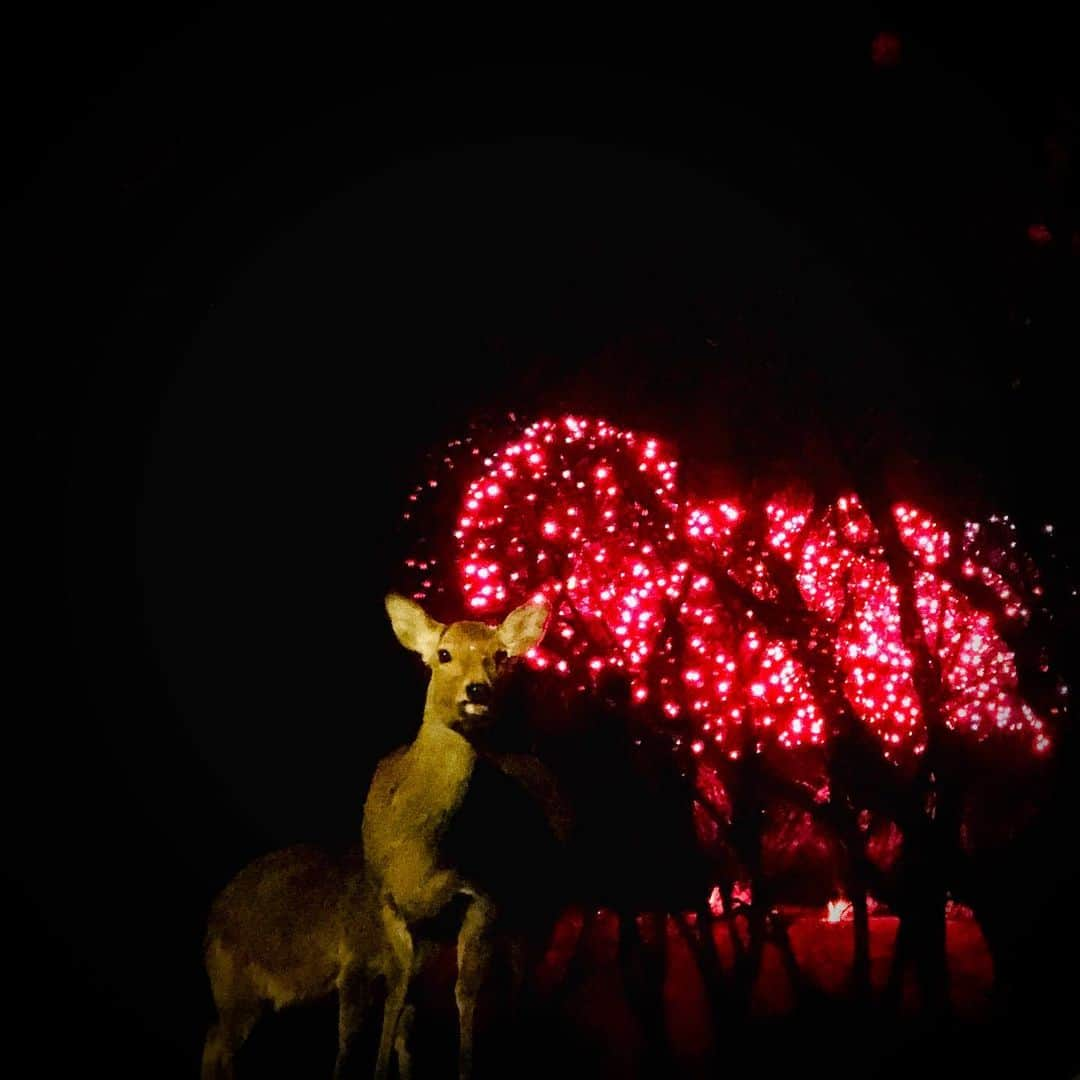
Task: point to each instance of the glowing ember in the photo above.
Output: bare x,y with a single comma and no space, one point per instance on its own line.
716,901
838,911
955,910
741,893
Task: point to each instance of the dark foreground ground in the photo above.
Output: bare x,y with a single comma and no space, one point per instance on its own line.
800,1022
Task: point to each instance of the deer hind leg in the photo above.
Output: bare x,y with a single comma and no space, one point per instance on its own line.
525,952
224,1040
239,1006
474,960
354,1000
521,961
399,969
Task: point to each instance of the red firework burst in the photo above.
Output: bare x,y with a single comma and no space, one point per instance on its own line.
684,595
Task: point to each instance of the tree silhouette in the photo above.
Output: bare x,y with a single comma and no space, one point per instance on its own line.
845,679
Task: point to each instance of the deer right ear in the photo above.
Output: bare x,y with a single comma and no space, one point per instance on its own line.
523,628
414,628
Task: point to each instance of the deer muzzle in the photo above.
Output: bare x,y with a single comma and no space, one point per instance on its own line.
477,703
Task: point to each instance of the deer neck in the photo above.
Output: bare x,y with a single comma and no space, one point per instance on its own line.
441,760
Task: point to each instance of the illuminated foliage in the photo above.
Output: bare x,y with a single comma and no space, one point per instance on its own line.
676,592
583,514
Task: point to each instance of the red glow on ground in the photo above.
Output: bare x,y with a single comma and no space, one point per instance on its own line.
1040,235
822,951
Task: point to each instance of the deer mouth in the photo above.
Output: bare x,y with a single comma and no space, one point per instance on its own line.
474,709
473,717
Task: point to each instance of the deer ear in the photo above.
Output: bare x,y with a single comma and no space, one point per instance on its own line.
523,628
414,628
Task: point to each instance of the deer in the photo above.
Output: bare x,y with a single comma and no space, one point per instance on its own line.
417,867
297,925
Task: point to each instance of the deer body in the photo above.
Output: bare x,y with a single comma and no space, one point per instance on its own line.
412,799
296,925
292,927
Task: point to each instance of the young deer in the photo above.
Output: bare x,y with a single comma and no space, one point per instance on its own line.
295,925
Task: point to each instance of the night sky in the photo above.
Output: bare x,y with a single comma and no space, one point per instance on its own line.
258,282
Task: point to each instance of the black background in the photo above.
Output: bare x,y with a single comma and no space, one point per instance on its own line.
261,272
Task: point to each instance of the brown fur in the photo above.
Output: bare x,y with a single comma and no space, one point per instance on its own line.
291,927
295,925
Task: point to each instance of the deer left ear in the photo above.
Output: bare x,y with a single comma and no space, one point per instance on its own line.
414,628
523,628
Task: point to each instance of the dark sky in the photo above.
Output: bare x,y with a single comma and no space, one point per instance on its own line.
260,283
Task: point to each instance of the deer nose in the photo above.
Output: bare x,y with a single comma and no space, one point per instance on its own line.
478,693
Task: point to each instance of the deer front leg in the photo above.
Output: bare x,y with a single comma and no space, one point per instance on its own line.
474,960
398,975
403,1036
403,1042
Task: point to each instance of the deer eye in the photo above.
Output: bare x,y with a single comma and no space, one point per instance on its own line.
500,656
444,656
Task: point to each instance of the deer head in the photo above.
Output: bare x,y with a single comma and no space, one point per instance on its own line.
466,658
